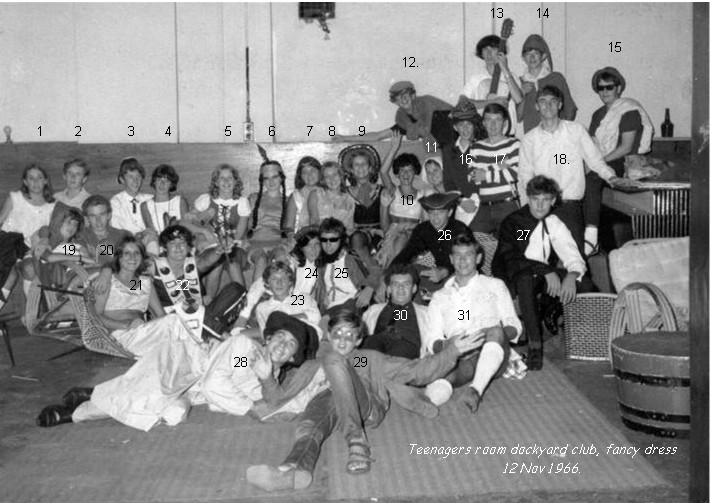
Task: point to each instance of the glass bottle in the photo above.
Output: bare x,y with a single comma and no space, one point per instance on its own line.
667,127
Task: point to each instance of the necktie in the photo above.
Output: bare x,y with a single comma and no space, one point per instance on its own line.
134,204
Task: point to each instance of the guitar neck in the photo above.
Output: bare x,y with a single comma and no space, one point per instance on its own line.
497,70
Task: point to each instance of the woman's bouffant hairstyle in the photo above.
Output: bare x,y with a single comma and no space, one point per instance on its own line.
165,171
256,209
279,267
302,238
176,232
116,267
214,190
488,41
349,317
407,159
333,164
305,161
47,192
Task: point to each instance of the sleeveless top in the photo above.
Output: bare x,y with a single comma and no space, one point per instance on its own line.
401,208
25,217
340,207
302,217
269,216
161,213
368,216
122,297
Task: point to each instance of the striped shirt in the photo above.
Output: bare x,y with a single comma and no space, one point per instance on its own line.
501,162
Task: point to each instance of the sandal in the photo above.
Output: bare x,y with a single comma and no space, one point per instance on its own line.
53,415
76,396
359,457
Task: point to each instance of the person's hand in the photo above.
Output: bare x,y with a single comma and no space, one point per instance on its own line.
501,60
135,323
436,274
468,205
568,289
40,249
528,87
468,342
102,282
477,175
261,364
363,298
553,284
396,139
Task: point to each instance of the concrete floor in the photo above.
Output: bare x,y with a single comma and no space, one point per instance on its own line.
36,382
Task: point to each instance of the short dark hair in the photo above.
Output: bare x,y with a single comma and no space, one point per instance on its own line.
173,232
76,162
407,159
130,164
496,108
541,184
550,91
402,268
167,171
465,239
394,96
95,200
488,41
610,77
332,225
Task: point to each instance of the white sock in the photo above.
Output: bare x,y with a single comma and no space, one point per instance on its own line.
491,359
26,286
590,235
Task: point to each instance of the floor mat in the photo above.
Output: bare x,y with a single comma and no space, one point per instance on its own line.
497,449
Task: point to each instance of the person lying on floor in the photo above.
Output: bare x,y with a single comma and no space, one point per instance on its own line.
471,303
397,327
229,376
362,385
531,243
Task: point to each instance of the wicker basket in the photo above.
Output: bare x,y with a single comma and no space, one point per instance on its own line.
586,326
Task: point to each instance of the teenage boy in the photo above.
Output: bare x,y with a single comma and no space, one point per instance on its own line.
126,205
557,149
360,395
540,73
342,277
619,128
494,162
418,117
98,237
532,241
75,173
434,236
457,157
397,327
471,303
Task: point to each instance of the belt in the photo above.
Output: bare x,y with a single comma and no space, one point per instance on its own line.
491,203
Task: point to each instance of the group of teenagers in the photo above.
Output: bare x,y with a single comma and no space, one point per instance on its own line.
362,287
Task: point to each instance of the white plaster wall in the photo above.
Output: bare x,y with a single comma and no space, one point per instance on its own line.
107,66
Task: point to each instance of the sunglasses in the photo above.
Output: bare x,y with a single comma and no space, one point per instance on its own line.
607,87
329,240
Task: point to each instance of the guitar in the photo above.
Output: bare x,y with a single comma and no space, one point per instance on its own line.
493,83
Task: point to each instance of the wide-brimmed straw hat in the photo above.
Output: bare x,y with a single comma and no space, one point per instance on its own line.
346,156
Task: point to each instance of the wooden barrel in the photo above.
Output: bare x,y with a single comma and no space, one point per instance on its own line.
653,374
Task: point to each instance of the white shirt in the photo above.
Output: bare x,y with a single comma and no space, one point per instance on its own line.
541,153
559,237
123,215
339,287
483,302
